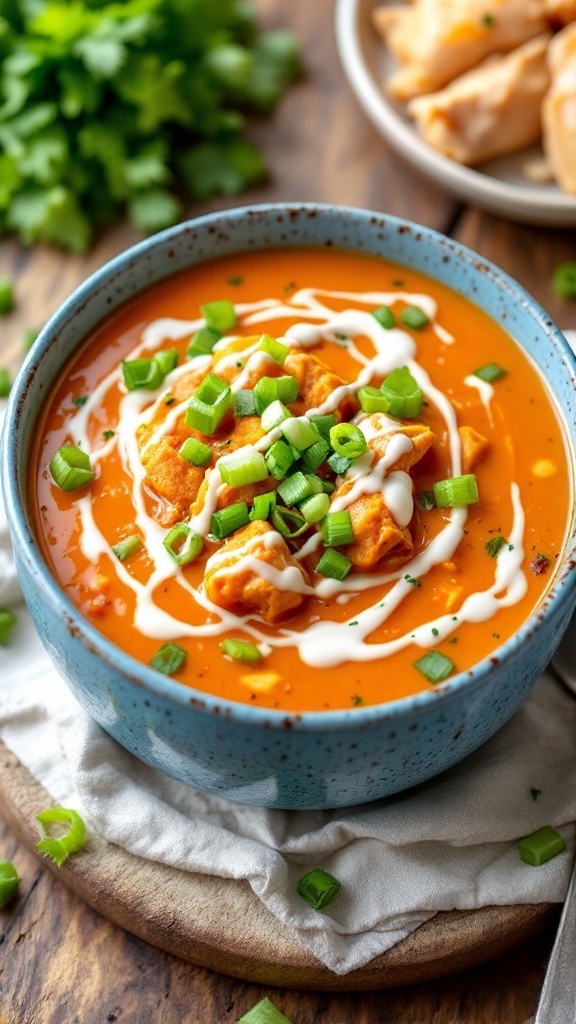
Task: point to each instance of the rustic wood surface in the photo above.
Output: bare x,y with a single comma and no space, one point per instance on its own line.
60,962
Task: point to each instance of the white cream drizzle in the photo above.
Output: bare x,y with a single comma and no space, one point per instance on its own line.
325,643
485,391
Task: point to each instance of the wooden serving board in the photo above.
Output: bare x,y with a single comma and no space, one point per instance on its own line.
220,923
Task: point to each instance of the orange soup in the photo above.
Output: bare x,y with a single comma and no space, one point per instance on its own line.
302,479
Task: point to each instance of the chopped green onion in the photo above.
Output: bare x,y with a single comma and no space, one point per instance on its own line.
315,484
168,659
202,342
337,529
278,459
541,846
318,888
5,382
264,1013
8,882
183,544
142,374
242,468
340,464
219,315
294,488
298,432
229,519
327,486
7,301
209,404
564,281
334,564
273,415
167,360
493,545
323,425
435,666
244,403
315,508
268,389
196,452
426,500
127,547
372,400
273,348
385,317
490,372
289,524
403,393
348,440
414,317
80,401
8,620
315,455
30,335
240,650
70,468
71,842
457,490
264,505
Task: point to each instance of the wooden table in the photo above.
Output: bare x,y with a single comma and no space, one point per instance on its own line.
59,962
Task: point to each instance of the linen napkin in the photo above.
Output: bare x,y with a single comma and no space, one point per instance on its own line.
450,844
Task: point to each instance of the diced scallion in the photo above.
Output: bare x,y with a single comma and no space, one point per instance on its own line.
315,455
70,468
142,374
337,529
30,335
244,403
299,433
264,505
456,491
167,360
9,882
334,565
435,666
318,888
5,382
294,488
323,424
385,317
202,342
541,846
279,458
209,404
169,659
183,543
229,519
71,842
128,546
273,348
348,440
372,400
196,452
403,393
315,508
273,415
264,1013
268,389
242,468
414,317
240,650
490,372
494,544
564,281
289,524
8,620
219,315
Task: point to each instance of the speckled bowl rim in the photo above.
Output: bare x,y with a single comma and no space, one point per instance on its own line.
168,688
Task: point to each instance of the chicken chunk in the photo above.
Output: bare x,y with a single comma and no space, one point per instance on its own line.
254,573
436,40
172,478
492,110
475,447
559,109
316,383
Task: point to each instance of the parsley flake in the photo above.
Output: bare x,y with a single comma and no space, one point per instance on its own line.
107,434
80,401
412,580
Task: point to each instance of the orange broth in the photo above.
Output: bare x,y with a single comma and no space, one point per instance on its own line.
525,440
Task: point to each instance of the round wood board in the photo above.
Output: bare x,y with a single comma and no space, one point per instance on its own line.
220,924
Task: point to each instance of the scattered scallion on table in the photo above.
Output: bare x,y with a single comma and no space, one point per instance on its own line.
8,620
564,281
541,846
5,382
264,1013
9,882
7,301
73,840
318,888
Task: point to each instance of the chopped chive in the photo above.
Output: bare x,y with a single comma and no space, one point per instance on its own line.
435,666
315,508
535,793
70,468
209,404
183,544
80,401
30,335
244,403
337,529
403,393
348,440
372,400
229,519
196,452
294,488
202,342
127,547
168,659
385,317
541,846
564,281
340,464
5,382
426,500
315,455
8,620
240,650
273,348
414,317
273,415
268,389
298,432
108,434
219,315
493,545
323,424
456,491
490,372
288,524
412,580
9,882
334,564
71,842
7,301
264,1013
167,360
279,458
242,468
318,888
264,505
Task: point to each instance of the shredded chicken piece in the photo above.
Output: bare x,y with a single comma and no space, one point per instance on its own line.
559,109
492,110
436,40
475,447
233,582
172,477
316,382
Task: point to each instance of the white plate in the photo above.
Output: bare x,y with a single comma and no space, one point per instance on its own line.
498,186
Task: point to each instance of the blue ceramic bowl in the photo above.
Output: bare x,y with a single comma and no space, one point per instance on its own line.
315,759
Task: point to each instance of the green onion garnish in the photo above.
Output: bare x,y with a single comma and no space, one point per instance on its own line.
372,400
288,524
127,547
242,468
541,846
168,659
268,389
435,666
72,841
142,374
7,301
209,404
80,401
196,452
315,455
315,484
229,519
414,317
183,544
294,488
494,544
264,505
5,382
202,342
273,348
426,500
219,315
167,360
327,486
8,882
456,490
315,508
8,620
70,468
244,403
240,650
348,440
264,1013
564,281
299,433
334,564
279,458
318,888
273,415
403,393
323,424
337,529
490,372
30,335
385,317
339,464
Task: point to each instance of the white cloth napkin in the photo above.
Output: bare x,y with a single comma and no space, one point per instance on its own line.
451,844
